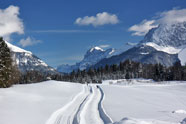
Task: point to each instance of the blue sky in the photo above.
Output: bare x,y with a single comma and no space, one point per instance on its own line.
49,28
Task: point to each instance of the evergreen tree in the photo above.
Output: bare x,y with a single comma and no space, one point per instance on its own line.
9,73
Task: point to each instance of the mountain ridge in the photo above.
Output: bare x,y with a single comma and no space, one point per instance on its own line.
27,61
92,56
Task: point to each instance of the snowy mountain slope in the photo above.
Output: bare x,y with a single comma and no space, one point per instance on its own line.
182,56
160,45
167,38
91,57
26,61
16,49
143,54
94,55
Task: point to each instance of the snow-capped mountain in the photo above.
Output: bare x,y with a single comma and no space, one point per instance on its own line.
94,55
143,54
27,61
160,45
165,44
169,38
91,57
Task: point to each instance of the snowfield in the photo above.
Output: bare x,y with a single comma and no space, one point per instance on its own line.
113,102
145,103
34,103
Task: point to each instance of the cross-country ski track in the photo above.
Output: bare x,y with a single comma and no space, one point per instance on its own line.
85,108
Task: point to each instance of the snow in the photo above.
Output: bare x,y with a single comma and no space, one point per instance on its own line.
113,50
140,121
52,102
169,38
34,103
63,114
135,101
96,48
182,56
144,53
124,82
144,103
172,36
41,63
167,49
179,111
91,108
16,49
84,108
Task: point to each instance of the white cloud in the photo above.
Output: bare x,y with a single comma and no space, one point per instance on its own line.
98,20
142,28
104,46
10,22
28,42
166,17
172,16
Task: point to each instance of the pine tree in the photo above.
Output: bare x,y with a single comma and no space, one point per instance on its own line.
8,72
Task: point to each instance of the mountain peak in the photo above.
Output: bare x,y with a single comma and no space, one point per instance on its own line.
91,57
169,38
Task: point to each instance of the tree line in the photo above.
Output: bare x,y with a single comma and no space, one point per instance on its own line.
128,70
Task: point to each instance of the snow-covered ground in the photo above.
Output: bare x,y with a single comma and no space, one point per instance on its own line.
115,101
145,103
34,103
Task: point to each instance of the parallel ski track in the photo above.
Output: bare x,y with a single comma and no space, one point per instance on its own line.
65,115
106,119
85,108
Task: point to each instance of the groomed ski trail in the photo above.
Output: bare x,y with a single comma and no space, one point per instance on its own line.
85,108
66,114
93,112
